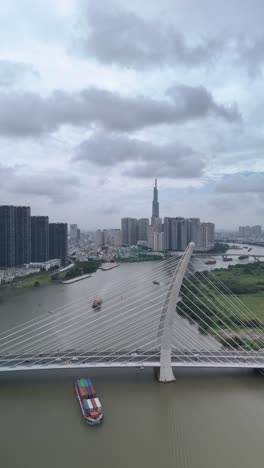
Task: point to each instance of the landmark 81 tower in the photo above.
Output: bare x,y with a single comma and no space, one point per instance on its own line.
155,203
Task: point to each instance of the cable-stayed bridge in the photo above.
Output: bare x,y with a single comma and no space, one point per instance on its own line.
166,316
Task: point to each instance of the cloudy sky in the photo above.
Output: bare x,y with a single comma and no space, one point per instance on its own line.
97,101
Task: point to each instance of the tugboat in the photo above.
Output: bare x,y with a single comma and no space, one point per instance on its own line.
97,303
91,407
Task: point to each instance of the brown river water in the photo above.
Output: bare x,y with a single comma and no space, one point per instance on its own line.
205,419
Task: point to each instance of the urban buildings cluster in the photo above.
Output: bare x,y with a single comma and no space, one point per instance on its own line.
250,231
173,233
30,240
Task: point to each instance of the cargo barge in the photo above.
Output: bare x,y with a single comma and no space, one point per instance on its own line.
210,262
90,405
243,257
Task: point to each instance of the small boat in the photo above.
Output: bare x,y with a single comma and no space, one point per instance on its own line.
210,262
97,303
91,407
156,282
249,249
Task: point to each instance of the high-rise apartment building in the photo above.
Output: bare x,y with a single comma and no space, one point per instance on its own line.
143,226
58,241
194,231
112,237
178,232
175,233
40,239
129,228
256,230
109,237
207,236
7,236
73,232
22,235
244,231
155,235
99,237
182,233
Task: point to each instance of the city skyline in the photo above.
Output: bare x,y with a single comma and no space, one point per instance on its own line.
89,115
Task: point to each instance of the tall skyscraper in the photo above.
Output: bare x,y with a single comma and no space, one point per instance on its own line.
129,228
40,239
175,233
207,236
155,203
58,241
73,232
7,236
194,231
143,226
22,235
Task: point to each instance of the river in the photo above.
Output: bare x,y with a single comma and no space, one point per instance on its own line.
206,419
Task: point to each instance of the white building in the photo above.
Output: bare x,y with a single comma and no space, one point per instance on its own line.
155,235
55,262
158,241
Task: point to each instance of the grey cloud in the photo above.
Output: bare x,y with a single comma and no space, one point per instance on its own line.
115,35
121,37
12,72
241,183
58,188
250,53
197,102
143,159
28,114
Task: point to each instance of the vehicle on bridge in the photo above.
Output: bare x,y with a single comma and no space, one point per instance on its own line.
97,303
91,407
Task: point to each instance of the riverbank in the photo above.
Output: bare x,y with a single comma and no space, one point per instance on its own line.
109,266
45,278
217,311
78,278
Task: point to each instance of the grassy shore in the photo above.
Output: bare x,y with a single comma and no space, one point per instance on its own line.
215,310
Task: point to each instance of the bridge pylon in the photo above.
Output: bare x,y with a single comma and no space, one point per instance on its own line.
168,316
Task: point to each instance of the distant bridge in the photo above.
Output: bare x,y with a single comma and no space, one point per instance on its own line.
243,252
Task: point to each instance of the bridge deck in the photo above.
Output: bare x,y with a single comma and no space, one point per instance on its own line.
223,359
